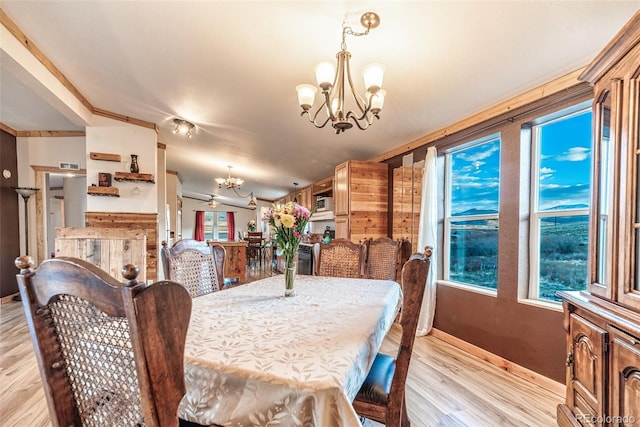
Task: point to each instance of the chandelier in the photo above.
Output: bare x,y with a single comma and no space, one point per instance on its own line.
333,83
183,126
229,182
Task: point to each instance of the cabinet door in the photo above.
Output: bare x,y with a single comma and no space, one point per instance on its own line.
342,227
341,190
625,384
587,367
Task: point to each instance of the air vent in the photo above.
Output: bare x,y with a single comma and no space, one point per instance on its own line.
74,166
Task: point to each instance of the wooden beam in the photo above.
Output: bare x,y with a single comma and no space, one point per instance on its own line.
558,85
51,133
122,118
7,129
37,53
162,146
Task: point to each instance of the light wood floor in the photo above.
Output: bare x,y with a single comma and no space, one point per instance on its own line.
446,386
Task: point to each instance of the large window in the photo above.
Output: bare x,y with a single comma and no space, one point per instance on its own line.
471,213
215,226
561,168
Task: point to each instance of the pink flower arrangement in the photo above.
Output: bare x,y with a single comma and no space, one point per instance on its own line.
288,221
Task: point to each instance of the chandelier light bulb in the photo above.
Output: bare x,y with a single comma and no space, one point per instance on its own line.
325,74
373,75
306,95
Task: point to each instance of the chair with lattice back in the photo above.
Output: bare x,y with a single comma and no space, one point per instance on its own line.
382,395
109,354
341,258
382,258
199,266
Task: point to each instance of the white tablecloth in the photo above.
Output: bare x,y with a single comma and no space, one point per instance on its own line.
255,358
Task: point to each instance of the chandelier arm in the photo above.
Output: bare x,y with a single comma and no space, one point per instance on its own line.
313,121
355,120
360,102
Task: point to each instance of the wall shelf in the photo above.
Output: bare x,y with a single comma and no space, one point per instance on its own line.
103,191
124,176
105,157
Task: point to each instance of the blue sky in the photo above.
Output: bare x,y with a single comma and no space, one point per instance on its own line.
564,169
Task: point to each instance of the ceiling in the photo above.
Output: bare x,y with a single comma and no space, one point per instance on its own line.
231,67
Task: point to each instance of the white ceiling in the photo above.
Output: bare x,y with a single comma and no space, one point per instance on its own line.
231,68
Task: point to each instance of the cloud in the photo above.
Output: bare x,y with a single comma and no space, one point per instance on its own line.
546,173
479,155
574,154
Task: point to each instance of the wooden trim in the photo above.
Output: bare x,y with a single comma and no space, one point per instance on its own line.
122,118
161,146
172,172
556,86
37,53
504,364
57,170
8,298
51,133
7,129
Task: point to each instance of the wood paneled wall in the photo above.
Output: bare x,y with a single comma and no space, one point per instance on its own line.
407,193
132,221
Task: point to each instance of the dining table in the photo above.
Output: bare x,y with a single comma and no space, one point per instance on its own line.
254,357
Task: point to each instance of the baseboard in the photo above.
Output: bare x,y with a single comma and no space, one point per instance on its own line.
504,364
8,298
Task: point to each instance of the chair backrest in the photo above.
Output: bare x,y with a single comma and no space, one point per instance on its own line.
341,258
382,258
198,266
414,281
108,353
255,238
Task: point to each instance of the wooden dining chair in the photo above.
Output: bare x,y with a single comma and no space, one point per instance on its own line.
255,247
382,258
109,354
341,258
382,395
198,266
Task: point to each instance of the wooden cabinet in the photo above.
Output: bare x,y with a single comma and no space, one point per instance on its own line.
235,261
603,323
360,200
603,363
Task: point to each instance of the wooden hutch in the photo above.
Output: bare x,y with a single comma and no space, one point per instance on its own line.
603,323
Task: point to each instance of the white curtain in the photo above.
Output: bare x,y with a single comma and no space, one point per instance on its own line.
427,236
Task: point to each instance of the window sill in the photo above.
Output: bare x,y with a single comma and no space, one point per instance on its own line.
470,288
550,305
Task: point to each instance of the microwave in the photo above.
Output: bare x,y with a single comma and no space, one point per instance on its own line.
324,204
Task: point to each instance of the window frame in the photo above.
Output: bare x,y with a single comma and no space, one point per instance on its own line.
212,220
448,218
535,215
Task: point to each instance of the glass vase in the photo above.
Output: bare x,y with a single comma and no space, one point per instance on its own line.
289,278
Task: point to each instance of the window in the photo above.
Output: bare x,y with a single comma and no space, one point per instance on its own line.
471,213
215,226
561,173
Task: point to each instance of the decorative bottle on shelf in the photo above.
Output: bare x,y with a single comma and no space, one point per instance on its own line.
134,164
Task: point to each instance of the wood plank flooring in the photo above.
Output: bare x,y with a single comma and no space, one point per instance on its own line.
446,386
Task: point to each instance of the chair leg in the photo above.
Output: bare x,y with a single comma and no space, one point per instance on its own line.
405,416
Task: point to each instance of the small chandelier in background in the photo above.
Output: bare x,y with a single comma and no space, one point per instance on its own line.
229,182
333,84
183,126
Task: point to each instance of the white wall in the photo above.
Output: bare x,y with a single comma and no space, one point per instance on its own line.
123,139
42,151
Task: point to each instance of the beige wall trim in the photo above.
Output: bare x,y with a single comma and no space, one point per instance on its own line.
37,53
162,146
50,133
504,364
556,86
8,130
122,118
